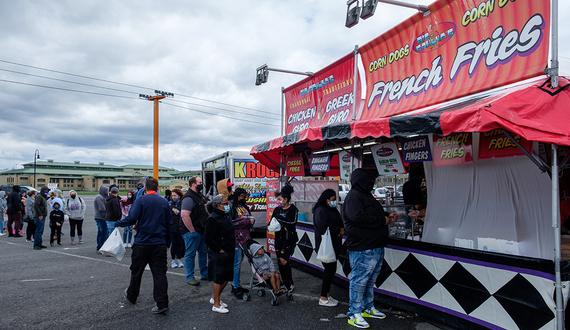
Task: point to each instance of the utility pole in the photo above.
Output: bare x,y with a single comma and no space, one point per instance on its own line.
160,95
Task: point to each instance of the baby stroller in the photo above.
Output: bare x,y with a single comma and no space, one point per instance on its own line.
261,284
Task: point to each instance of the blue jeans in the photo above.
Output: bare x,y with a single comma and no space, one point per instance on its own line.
128,233
101,232
110,228
39,231
366,267
195,242
238,258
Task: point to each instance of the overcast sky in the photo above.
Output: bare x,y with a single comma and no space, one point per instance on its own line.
198,50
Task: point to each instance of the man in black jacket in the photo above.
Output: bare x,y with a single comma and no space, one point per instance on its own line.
14,212
366,227
113,213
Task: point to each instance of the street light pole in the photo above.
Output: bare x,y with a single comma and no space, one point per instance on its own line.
36,157
160,95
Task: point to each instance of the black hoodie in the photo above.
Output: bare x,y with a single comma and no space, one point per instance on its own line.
363,216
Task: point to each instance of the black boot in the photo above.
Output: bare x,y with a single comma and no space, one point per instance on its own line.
238,292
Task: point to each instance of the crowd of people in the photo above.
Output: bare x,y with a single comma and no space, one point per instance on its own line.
216,228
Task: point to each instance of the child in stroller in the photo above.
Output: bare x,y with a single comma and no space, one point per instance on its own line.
265,268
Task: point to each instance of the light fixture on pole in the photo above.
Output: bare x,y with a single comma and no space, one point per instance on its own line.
354,11
262,73
36,157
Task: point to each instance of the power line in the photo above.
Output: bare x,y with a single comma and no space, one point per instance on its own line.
123,84
214,114
69,90
68,81
207,106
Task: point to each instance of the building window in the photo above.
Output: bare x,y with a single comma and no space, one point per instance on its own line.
41,180
23,178
106,181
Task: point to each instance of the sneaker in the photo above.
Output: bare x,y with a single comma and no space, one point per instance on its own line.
204,278
37,247
193,282
358,321
72,243
221,303
174,264
2,234
127,297
125,245
27,240
43,246
332,300
51,244
221,309
291,288
129,245
373,313
18,235
80,242
22,232
156,310
327,302
180,264
147,267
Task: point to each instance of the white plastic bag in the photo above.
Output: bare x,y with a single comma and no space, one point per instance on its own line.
326,253
113,246
274,226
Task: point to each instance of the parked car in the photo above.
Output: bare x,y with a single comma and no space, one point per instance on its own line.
9,188
342,191
379,193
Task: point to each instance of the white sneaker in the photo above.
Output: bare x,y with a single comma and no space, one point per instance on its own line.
224,305
358,321
373,313
327,302
124,245
221,309
332,300
129,245
180,264
174,264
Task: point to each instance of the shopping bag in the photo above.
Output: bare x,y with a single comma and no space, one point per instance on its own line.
113,246
326,253
274,226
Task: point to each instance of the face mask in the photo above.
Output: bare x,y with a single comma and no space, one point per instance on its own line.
72,196
200,187
56,207
129,197
226,208
333,204
280,204
175,199
242,202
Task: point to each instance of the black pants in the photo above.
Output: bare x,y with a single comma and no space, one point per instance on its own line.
155,257
328,274
72,224
31,230
55,229
284,249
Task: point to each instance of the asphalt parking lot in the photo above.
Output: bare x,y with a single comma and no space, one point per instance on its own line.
71,286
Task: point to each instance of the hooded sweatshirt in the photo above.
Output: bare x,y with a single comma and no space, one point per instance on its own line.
75,207
223,188
363,216
3,203
40,204
99,203
263,263
14,201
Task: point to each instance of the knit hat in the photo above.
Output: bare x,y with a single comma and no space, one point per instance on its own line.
114,190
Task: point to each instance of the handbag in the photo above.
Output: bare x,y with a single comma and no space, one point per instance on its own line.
326,253
274,226
113,246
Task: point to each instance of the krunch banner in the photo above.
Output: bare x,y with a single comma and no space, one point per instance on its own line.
461,47
251,175
324,99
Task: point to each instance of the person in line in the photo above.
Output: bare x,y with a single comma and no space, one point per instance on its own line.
140,190
168,195
126,205
40,215
286,239
153,217
3,206
24,218
264,267
100,211
326,216
366,236
177,247
14,212
413,195
31,229
113,213
56,217
219,237
75,209
225,187
242,221
193,214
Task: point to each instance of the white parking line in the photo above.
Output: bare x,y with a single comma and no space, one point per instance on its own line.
38,280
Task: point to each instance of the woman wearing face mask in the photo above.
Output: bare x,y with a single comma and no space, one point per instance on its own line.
242,221
286,238
126,205
326,216
219,236
177,246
